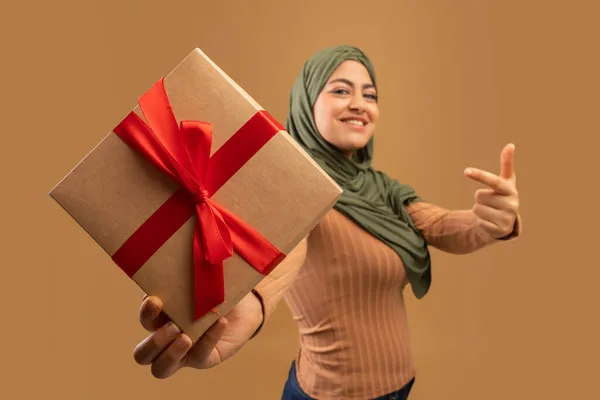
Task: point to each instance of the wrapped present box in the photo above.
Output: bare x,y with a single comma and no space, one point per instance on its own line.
197,194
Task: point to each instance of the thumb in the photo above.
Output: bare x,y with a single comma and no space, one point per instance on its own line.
507,162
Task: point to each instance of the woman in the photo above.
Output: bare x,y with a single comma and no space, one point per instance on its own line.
344,283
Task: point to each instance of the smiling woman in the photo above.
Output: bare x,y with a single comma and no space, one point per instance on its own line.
344,283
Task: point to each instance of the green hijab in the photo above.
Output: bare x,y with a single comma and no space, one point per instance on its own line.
371,199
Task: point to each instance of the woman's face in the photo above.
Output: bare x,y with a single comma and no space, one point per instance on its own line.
346,110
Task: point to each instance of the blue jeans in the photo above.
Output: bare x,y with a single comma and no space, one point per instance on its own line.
293,391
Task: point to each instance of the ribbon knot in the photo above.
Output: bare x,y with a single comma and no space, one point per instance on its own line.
200,196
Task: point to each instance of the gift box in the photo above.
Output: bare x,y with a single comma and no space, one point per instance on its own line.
197,193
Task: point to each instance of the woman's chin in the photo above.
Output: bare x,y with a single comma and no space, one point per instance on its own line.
348,151
355,146
350,147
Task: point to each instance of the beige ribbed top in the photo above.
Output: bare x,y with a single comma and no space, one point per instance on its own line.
347,299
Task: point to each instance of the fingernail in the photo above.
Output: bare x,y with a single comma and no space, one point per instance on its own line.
172,329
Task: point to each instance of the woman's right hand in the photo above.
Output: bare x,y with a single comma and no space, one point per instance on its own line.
167,350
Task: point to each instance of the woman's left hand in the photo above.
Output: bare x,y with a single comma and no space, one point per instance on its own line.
497,206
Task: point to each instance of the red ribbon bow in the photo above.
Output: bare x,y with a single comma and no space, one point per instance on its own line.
182,151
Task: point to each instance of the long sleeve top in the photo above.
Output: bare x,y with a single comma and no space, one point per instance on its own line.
344,289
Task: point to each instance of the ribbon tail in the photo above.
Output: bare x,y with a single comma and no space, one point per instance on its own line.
217,238
209,282
261,254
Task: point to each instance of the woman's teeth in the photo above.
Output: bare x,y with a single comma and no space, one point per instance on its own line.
354,122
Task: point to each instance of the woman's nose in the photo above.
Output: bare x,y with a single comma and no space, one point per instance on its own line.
357,103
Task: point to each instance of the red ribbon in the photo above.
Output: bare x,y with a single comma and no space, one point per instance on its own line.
182,151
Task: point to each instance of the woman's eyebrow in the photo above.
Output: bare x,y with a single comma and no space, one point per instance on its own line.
349,83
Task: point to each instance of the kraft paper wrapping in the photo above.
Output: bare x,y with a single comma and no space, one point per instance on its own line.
281,192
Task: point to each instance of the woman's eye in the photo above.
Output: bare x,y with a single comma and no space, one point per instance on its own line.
371,96
340,91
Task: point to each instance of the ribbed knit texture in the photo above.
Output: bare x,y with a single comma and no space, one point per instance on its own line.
347,301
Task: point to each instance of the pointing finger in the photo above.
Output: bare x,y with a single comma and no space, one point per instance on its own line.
495,182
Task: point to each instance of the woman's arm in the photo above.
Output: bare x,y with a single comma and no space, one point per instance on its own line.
457,232
493,217
273,286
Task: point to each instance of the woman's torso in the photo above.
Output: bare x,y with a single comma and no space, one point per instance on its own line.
348,303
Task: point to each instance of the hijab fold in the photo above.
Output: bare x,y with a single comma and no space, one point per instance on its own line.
370,198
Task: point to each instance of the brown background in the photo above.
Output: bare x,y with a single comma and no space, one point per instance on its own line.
458,81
